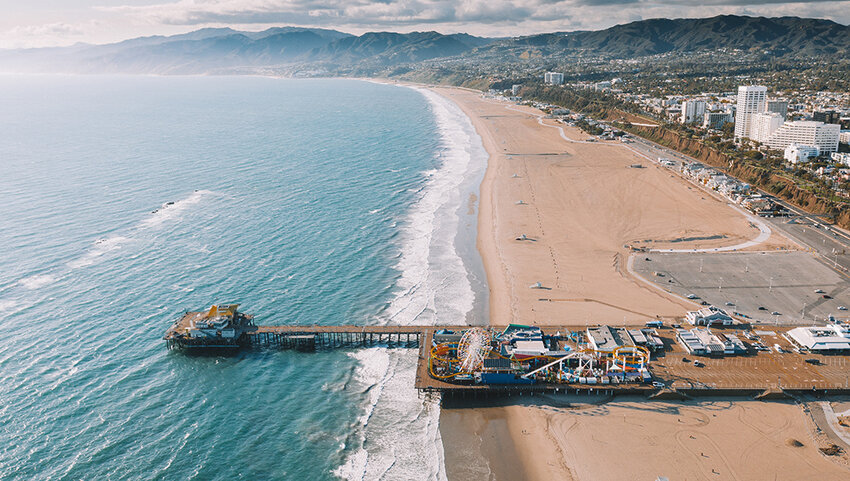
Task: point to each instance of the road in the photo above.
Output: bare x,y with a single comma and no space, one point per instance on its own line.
832,245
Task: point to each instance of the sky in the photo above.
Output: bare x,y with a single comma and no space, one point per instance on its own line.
42,23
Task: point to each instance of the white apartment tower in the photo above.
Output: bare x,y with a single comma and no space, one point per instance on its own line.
805,132
763,125
692,111
751,100
554,78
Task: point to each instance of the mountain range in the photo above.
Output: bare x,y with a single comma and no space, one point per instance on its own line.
215,50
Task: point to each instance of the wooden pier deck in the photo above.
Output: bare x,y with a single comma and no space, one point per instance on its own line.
750,374
342,336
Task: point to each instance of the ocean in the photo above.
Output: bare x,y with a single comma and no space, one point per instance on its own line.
306,201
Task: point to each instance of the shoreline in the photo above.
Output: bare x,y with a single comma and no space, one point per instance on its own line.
582,204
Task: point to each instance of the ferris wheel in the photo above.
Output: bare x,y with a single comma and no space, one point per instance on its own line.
473,347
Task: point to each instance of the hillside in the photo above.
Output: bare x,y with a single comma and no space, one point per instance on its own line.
224,50
783,35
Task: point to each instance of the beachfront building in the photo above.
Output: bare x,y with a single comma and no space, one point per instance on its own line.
764,124
841,157
553,78
692,111
702,342
778,106
797,153
833,337
709,315
844,136
751,100
805,132
716,120
604,338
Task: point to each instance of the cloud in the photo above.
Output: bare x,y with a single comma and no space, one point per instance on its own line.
48,34
477,16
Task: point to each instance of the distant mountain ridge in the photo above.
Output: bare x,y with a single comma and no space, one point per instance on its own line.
656,36
212,50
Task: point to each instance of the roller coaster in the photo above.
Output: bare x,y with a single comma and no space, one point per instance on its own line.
480,356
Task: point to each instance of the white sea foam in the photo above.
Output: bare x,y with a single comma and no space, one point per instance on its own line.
170,211
37,281
9,307
434,282
434,287
98,249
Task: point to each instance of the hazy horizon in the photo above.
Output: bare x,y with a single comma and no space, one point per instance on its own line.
51,23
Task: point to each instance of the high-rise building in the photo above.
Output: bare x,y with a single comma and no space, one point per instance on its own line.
826,116
716,120
554,78
692,111
805,132
751,100
778,106
763,125
515,89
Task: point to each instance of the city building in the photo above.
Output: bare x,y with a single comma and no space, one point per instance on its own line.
716,120
834,337
751,100
692,111
515,89
600,86
764,124
709,315
805,132
844,136
778,106
796,153
826,116
841,158
554,78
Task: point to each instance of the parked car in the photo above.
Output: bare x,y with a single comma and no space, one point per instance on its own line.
813,361
684,359
818,291
657,384
697,363
842,308
774,313
762,308
692,296
826,296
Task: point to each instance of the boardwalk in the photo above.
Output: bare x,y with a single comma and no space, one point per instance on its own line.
751,374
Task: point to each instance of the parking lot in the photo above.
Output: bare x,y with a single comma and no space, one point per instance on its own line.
760,369
782,284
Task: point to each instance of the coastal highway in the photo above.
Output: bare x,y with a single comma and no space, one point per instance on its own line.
830,244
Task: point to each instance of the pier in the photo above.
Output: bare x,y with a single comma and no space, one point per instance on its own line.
754,374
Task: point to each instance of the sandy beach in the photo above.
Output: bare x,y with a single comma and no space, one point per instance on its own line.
579,205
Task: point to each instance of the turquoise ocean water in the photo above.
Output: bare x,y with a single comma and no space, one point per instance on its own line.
307,201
